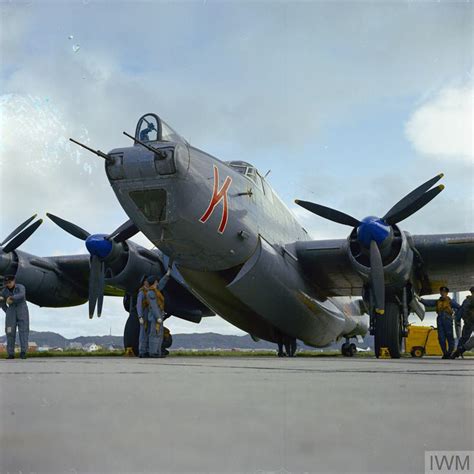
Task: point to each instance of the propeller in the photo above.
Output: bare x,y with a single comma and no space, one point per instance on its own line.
99,246
373,232
20,234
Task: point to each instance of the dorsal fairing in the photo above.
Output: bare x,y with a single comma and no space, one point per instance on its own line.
151,128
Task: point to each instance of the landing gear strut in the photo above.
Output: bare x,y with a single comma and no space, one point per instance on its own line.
348,349
388,331
131,332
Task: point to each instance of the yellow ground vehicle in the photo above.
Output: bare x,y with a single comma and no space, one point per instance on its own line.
422,340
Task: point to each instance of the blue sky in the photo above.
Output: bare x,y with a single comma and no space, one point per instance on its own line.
350,104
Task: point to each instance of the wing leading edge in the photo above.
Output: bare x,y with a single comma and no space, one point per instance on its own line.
438,260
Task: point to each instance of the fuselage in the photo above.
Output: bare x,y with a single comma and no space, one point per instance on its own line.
211,217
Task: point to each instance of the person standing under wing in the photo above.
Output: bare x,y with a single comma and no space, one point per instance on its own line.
156,313
142,311
444,307
466,312
13,302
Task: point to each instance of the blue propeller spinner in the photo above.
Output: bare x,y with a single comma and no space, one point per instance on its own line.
98,245
372,228
373,231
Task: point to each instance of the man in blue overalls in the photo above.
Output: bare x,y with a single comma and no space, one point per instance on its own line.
13,302
445,307
466,312
156,313
142,311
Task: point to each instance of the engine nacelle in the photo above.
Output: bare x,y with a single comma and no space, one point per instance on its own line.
138,262
45,284
397,260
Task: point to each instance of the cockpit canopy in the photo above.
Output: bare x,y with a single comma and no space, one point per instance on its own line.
150,128
244,168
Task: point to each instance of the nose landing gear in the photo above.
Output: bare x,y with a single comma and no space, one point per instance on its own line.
348,349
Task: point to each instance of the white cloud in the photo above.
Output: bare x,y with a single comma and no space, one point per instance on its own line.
443,126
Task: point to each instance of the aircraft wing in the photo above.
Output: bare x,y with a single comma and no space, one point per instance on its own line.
443,259
76,268
63,281
327,264
446,260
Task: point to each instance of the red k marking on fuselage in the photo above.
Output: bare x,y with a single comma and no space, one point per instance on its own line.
218,195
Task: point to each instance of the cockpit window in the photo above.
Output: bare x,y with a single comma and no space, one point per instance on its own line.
148,128
168,134
244,168
151,128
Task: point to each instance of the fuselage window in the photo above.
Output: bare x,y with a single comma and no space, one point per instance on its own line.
151,203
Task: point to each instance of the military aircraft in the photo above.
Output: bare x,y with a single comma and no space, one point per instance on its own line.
241,253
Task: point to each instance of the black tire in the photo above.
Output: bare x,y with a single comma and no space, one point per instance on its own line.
131,333
353,349
167,342
346,350
387,331
417,352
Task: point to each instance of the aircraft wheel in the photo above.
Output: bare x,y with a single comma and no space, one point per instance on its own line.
353,349
346,350
167,339
131,333
387,331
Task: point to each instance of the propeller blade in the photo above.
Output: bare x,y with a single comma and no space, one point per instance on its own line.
21,237
377,277
410,199
69,227
328,213
18,229
124,232
94,283
100,298
415,206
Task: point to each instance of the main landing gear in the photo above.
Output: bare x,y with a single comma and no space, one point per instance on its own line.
348,349
131,332
388,331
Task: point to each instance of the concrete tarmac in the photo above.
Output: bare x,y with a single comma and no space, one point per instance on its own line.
218,414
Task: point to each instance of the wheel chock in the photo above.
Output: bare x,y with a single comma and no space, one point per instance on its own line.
129,352
384,353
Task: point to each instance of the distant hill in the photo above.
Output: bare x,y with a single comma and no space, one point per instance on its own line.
180,341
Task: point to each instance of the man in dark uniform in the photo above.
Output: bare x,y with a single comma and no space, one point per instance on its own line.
445,308
13,302
466,312
142,310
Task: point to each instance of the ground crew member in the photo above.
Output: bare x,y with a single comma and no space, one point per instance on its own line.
156,313
13,302
445,307
466,312
279,338
142,310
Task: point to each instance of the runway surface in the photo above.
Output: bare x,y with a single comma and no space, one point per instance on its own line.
218,414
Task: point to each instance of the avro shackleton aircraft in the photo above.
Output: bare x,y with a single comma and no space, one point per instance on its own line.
239,252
